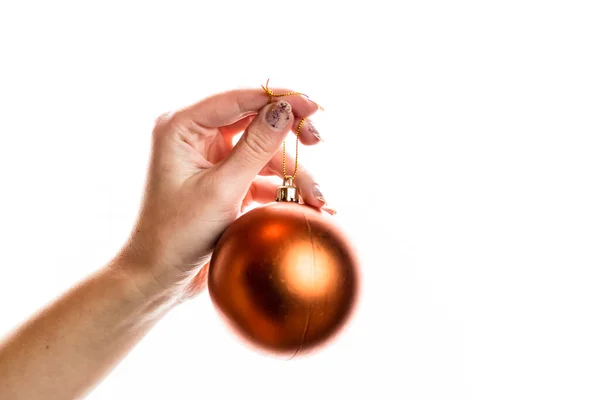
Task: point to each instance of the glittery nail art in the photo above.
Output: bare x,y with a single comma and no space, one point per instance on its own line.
318,194
279,115
311,128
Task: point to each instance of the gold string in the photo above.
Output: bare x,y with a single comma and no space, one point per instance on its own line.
285,176
271,94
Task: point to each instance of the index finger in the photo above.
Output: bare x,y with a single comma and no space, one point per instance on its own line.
229,107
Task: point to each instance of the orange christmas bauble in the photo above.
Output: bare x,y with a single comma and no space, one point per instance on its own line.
285,277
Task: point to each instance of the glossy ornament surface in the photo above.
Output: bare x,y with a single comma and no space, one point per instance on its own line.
285,277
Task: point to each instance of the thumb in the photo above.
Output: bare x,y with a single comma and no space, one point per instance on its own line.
259,143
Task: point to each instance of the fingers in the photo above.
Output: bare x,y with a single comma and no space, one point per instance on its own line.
229,107
229,131
308,134
261,140
310,190
264,190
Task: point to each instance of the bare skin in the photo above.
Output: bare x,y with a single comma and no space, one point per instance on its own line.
198,183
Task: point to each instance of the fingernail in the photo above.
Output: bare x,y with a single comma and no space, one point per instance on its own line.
329,210
279,115
317,192
314,102
311,128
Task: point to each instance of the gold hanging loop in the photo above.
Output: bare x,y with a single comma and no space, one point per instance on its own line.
288,192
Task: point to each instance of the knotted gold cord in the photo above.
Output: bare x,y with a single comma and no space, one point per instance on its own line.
271,94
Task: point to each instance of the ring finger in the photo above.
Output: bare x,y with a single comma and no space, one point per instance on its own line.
310,190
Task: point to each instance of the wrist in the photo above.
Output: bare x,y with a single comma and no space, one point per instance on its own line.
161,273
144,284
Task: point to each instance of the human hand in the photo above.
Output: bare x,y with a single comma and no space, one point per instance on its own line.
199,182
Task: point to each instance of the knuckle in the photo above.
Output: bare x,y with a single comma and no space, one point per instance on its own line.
163,118
238,104
258,143
168,123
161,124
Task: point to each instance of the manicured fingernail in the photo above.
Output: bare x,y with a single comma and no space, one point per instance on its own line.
329,210
314,102
317,192
311,128
279,115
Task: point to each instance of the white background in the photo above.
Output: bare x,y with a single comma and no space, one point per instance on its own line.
461,151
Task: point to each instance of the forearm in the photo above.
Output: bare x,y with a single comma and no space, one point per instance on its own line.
65,350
